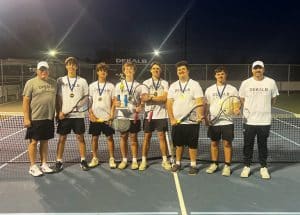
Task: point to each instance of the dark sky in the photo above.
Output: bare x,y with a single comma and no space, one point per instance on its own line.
211,32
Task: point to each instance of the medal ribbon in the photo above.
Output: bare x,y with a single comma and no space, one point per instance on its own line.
71,86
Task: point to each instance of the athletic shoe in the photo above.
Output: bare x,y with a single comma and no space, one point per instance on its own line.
134,165
58,166
175,168
112,163
143,165
166,165
212,168
94,162
193,170
122,165
84,165
264,173
35,171
226,170
46,169
246,172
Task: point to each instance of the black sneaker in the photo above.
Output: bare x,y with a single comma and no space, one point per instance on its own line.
84,165
58,166
175,168
193,170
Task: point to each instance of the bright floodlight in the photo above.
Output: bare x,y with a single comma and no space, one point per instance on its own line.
156,52
52,53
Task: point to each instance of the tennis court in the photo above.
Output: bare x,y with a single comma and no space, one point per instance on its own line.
154,191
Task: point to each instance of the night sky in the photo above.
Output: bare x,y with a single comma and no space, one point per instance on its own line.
210,32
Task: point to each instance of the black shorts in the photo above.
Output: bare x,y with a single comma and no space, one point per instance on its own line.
40,130
66,125
134,127
155,124
224,132
96,128
185,135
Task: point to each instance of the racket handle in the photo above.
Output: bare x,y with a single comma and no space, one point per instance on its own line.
125,101
118,98
150,116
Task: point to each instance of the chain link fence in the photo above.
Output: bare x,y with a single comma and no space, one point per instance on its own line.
15,73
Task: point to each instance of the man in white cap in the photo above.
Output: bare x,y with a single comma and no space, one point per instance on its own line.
39,108
257,93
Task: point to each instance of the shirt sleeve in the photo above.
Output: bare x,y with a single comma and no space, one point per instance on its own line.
27,89
274,90
198,92
171,92
85,88
242,90
166,86
59,84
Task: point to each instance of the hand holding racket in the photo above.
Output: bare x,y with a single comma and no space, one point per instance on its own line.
82,105
192,115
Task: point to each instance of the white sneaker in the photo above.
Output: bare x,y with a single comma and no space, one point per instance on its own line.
226,170
46,169
264,173
212,168
112,163
245,172
35,171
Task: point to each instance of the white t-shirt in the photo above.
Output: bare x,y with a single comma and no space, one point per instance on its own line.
101,106
160,87
80,89
215,97
184,101
258,95
131,89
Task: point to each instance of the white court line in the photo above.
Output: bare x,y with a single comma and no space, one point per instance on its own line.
250,213
285,138
179,194
287,123
5,164
283,110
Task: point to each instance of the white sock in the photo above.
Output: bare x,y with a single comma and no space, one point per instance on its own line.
124,160
193,163
164,158
134,160
43,164
144,159
178,163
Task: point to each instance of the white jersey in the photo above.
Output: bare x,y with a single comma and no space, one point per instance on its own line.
101,95
184,97
131,90
159,88
71,92
215,95
258,95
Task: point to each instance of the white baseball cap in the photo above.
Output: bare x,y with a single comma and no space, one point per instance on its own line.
258,63
42,64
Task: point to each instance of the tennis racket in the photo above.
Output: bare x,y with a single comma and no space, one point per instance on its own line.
82,105
121,125
229,108
191,115
171,149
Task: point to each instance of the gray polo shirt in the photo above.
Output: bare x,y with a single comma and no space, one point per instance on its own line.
42,94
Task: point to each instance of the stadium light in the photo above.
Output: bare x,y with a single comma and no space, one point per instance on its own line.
156,52
52,53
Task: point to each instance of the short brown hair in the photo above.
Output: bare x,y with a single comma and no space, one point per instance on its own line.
156,63
220,69
130,64
102,66
183,63
71,60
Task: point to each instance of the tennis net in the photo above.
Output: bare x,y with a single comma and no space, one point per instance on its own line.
283,142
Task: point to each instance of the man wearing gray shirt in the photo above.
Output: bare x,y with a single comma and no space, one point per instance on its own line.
39,108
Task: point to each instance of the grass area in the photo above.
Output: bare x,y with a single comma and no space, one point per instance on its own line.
289,102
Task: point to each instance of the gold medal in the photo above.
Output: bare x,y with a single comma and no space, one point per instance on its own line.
129,98
182,96
100,98
72,95
155,93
